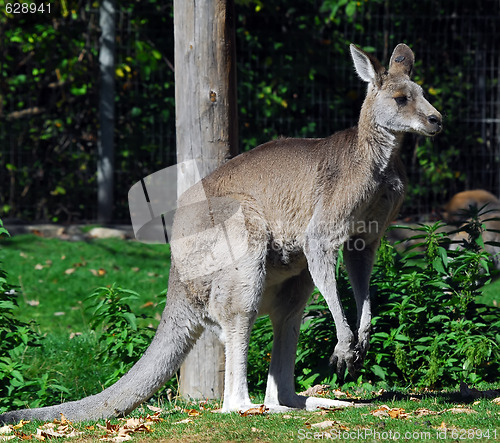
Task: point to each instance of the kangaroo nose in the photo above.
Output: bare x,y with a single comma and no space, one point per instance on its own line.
434,119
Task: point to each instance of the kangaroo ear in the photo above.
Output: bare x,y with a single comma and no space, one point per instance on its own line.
402,60
367,66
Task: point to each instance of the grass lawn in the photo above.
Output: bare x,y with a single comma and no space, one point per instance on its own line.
56,277
390,416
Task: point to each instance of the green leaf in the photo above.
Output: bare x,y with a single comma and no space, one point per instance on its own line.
350,9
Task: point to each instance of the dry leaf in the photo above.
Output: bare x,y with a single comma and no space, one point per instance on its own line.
424,411
5,430
315,390
69,271
98,272
38,267
20,424
386,411
148,304
154,409
32,302
192,412
259,410
397,413
496,400
6,437
324,424
57,429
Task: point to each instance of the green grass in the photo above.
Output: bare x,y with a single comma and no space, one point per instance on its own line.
429,417
55,299
56,276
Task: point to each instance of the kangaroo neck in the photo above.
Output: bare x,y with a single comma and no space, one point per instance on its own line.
377,144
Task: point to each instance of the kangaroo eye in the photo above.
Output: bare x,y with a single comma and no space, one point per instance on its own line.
401,100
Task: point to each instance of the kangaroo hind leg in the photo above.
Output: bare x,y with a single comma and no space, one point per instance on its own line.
286,315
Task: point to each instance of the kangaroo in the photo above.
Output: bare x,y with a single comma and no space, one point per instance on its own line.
296,202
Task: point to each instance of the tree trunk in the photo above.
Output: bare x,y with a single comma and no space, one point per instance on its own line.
206,123
105,144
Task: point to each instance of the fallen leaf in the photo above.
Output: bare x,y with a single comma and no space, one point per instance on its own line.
315,390
57,429
259,410
33,302
386,411
38,267
496,400
59,313
98,272
192,412
381,411
69,271
5,430
324,424
424,411
397,413
154,408
20,424
135,269
148,304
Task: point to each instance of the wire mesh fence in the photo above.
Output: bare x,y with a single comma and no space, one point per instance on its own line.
295,78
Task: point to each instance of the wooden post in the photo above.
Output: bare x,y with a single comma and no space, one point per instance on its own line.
105,143
206,124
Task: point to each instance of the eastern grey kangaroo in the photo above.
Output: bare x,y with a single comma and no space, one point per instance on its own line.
296,202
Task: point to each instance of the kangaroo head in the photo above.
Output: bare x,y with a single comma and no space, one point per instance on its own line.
394,101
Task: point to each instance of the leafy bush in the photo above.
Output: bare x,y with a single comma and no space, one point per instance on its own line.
428,328
16,337
122,341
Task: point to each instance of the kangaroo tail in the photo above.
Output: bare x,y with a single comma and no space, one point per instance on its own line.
178,331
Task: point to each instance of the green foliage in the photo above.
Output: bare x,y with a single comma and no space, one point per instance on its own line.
428,328
16,337
122,341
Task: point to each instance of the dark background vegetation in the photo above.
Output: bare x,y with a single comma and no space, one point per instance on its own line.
295,78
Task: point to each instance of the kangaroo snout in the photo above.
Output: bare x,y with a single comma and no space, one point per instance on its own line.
437,121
